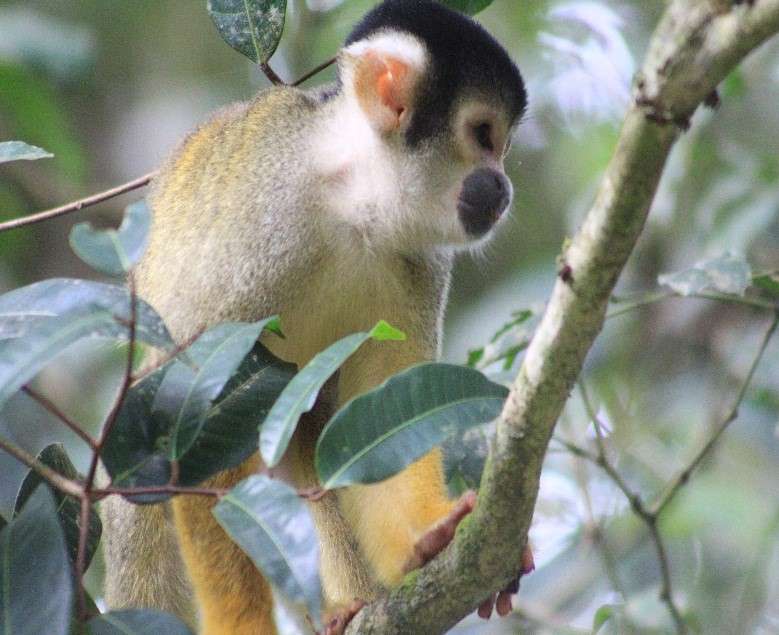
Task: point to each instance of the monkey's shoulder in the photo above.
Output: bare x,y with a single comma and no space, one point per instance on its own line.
237,135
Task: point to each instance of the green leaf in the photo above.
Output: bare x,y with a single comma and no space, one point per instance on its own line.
36,585
18,150
251,27
471,7
136,453
23,357
603,615
768,283
378,434
300,394
24,310
185,395
271,523
230,428
112,251
34,105
474,357
68,508
136,622
728,273
519,318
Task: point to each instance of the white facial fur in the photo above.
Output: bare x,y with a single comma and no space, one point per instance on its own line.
390,198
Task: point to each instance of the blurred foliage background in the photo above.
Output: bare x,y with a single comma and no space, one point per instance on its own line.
110,86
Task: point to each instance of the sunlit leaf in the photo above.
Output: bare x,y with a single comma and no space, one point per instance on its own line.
136,622
602,615
767,283
271,523
112,251
300,394
251,27
378,434
21,358
729,273
18,150
68,508
36,584
471,7
24,310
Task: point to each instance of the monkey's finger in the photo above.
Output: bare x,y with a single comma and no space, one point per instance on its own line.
437,538
503,603
485,608
338,624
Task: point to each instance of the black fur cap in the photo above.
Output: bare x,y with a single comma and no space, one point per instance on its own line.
464,59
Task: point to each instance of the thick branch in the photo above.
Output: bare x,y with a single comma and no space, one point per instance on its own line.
692,50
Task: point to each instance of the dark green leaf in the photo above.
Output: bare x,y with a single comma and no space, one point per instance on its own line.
36,585
271,523
378,434
18,150
112,251
767,283
136,622
68,508
185,396
137,452
230,429
300,394
251,27
471,7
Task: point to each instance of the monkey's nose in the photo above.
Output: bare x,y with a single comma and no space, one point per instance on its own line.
485,195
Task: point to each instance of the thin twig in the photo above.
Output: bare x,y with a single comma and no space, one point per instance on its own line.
271,75
101,493
74,206
640,509
104,434
313,72
53,409
731,416
148,370
52,477
659,296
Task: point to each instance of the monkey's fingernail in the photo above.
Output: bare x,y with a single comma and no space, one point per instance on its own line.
485,609
503,605
528,563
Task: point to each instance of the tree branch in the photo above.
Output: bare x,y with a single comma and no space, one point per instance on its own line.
53,478
692,50
74,206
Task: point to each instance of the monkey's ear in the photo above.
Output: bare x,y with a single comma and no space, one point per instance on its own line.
382,74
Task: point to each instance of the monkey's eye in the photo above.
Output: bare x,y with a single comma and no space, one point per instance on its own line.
483,135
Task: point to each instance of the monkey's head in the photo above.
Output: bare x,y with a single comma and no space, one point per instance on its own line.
438,99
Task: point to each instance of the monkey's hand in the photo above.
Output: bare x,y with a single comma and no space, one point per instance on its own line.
436,540
336,624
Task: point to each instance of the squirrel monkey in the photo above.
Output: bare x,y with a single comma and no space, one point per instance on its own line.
333,208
